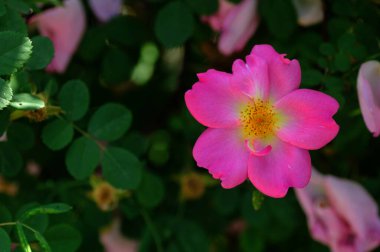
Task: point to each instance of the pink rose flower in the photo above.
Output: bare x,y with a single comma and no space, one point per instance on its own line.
261,125
236,23
340,214
368,85
114,241
310,12
105,9
65,27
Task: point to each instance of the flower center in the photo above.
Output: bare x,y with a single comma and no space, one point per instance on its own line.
258,119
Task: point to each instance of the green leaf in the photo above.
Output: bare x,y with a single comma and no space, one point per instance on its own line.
279,16
12,21
257,199
5,216
151,190
5,241
54,208
21,135
26,101
3,10
15,50
10,160
121,168
38,222
23,240
57,134
63,238
82,158
93,43
42,241
327,49
126,30
43,52
19,82
110,122
311,77
5,94
342,62
191,237
225,201
174,24
19,6
202,7
116,66
74,99
4,120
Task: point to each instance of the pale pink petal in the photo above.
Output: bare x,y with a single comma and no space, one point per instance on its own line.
238,27
340,238
223,153
114,241
213,101
357,207
308,121
309,12
285,166
368,85
251,78
106,9
307,198
284,74
216,20
65,27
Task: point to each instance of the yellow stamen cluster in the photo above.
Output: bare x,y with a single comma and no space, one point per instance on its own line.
258,119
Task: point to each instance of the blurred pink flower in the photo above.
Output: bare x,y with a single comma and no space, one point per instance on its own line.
3,137
310,12
368,85
64,26
114,241
236,23
340,214
106,9
261,125
32,168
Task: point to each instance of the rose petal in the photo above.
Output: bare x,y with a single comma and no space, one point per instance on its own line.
307,197
238,27
357,207
369,95
251,78
285,166
213,101
308,119
216,20
65,27
105,10
223,153
284,74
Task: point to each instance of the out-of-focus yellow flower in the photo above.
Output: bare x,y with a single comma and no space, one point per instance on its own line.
8,188
193,185
105,195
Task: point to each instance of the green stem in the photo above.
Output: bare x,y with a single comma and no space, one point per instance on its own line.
84,133
15,223
152,229
8,224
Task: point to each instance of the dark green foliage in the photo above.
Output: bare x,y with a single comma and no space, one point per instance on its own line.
117,118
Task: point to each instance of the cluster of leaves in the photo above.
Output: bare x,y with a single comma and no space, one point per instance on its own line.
80,124
31,221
